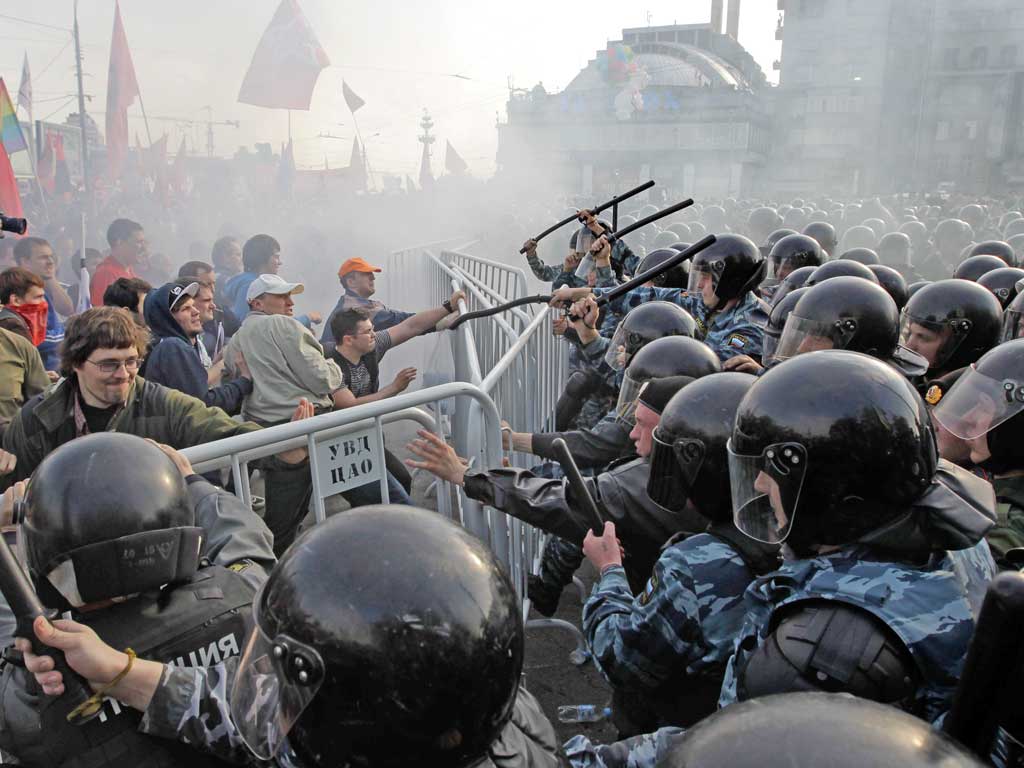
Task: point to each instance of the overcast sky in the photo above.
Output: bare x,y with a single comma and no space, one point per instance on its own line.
398,55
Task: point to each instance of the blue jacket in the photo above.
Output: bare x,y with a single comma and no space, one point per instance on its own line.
235,290
174,360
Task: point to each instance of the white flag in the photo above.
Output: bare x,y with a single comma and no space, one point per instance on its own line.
25,89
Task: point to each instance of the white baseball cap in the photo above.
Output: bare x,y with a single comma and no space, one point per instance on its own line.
271,284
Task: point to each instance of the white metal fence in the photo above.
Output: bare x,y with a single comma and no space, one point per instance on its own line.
508,366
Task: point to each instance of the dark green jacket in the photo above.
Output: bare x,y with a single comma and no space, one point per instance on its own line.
47,421
1009,529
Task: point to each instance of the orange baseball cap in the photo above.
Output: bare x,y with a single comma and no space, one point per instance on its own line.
357,265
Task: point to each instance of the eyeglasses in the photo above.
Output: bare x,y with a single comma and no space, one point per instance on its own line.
113,366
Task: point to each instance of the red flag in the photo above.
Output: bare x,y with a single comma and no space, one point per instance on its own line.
122,88
286,64
10,200
62,177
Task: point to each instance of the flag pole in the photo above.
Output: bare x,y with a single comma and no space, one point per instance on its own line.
84,151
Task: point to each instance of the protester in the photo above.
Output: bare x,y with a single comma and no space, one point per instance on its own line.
128,248
36,255
25,311
22,375
128,293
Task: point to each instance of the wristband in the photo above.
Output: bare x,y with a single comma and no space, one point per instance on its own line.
447,304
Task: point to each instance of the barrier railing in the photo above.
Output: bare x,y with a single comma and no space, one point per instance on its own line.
506,281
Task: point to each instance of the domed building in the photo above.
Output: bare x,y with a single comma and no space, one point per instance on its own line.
682,104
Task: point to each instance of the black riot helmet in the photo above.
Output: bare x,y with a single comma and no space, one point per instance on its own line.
386,636
893,282
642,325
998,248
951,323
676,277
840,268
1013,228
1003,283
773,238
974,215
865,256
825,235
917,231
974,267
894,249
98,511
786,731
664,239
916,286
859,236
826,449
793,252
988,400
842,313
732,263
781,311
688,456
662,358
795,279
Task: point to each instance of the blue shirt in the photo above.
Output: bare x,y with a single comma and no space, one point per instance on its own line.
49,350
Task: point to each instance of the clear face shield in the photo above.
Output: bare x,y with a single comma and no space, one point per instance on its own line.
277,678
801,335
977,404
629,394
766,490
623,346
701,273
936,342
584,241
770,346
674,470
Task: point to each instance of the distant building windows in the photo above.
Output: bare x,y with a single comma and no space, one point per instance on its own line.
942,131
979,57
1008,56
951,58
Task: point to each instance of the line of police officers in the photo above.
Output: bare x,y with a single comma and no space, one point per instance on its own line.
796,522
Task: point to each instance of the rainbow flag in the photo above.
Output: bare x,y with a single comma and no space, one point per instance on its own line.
10,129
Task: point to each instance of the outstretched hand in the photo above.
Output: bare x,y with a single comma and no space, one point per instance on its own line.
437,457
603,550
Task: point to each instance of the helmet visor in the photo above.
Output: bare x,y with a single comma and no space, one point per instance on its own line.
674,470
800,335
630,390
276,680
935,341
766,490
1013,325
623,346
584,240
700,273
977,404
770,347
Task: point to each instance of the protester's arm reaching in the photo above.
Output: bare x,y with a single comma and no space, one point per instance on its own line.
422,322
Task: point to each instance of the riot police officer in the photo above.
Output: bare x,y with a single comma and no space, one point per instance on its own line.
825,234
833,456
985,409
386,636
664,649
951,323
788,254
840,268
110,535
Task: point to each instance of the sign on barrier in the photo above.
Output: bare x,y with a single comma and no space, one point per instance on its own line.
349,462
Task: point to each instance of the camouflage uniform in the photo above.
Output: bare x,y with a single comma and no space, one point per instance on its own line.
926,607
669,645
645,751
191,705
731,332
1009,530
557,276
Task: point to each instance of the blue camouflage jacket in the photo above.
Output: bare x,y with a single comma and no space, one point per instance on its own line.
926,606
682,626
730,332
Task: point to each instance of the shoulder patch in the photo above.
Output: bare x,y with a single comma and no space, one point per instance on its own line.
652,585
240,566
933,395
737,341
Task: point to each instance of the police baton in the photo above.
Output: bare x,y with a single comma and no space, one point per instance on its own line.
26,608
595,210
614,293
989,690
579,488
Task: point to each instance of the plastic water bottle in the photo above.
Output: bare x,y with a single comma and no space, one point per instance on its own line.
583,713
